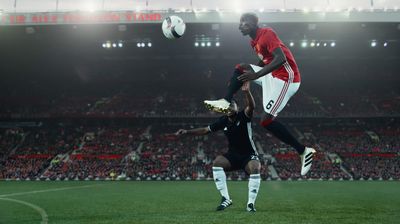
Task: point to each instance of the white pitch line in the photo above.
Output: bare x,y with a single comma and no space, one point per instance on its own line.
47,190
40,210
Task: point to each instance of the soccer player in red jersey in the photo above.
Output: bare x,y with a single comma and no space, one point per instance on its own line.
279,77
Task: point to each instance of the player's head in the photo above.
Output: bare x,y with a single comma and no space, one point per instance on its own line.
248,23
233,108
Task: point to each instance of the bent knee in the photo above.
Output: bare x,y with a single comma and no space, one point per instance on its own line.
254,167
219,162
242,67
267,120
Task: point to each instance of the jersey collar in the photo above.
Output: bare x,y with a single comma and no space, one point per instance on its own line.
258,34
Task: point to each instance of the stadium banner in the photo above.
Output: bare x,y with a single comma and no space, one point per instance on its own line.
20,124
127,17
33,156
79,18
101,157
385,155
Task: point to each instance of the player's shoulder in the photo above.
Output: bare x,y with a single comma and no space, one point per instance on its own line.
267,30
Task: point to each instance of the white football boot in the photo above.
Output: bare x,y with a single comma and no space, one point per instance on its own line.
220,106
306,160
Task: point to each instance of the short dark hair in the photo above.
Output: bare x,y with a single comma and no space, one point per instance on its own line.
250,16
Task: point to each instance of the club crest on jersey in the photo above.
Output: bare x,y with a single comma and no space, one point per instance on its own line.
257,49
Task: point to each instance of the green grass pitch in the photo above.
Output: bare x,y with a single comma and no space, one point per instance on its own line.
194,202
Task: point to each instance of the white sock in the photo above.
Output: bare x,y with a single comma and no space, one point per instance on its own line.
254,185
220,181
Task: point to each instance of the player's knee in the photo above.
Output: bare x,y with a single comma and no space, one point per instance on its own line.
267,120
218,162
254,169
242,67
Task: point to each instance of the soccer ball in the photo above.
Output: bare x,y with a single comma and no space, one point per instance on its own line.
173,27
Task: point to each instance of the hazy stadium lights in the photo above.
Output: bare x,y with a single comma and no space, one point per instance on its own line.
217,44
333,44
373,43
304,44
306,10
312,44
89,7
104,45
208,44
120,44
325,44
138,45
108,45
283,10
237,6
142,44
291,44
317,44
315,9
238,10
30,30
114,45
261,10
359,9
385,44
196,44
203,44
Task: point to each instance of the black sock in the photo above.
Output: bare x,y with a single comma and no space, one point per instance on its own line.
281,132
234,85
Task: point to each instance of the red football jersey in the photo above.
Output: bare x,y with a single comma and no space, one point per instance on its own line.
264,44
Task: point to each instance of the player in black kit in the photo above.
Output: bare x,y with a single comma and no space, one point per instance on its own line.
242,153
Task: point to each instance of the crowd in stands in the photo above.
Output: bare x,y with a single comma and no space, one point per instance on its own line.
9,139
351,148
101,152
155,103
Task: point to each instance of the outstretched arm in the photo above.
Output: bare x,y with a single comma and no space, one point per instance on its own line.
196,131
249,100
278,61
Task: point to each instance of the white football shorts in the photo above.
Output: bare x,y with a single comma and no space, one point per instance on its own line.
276,92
